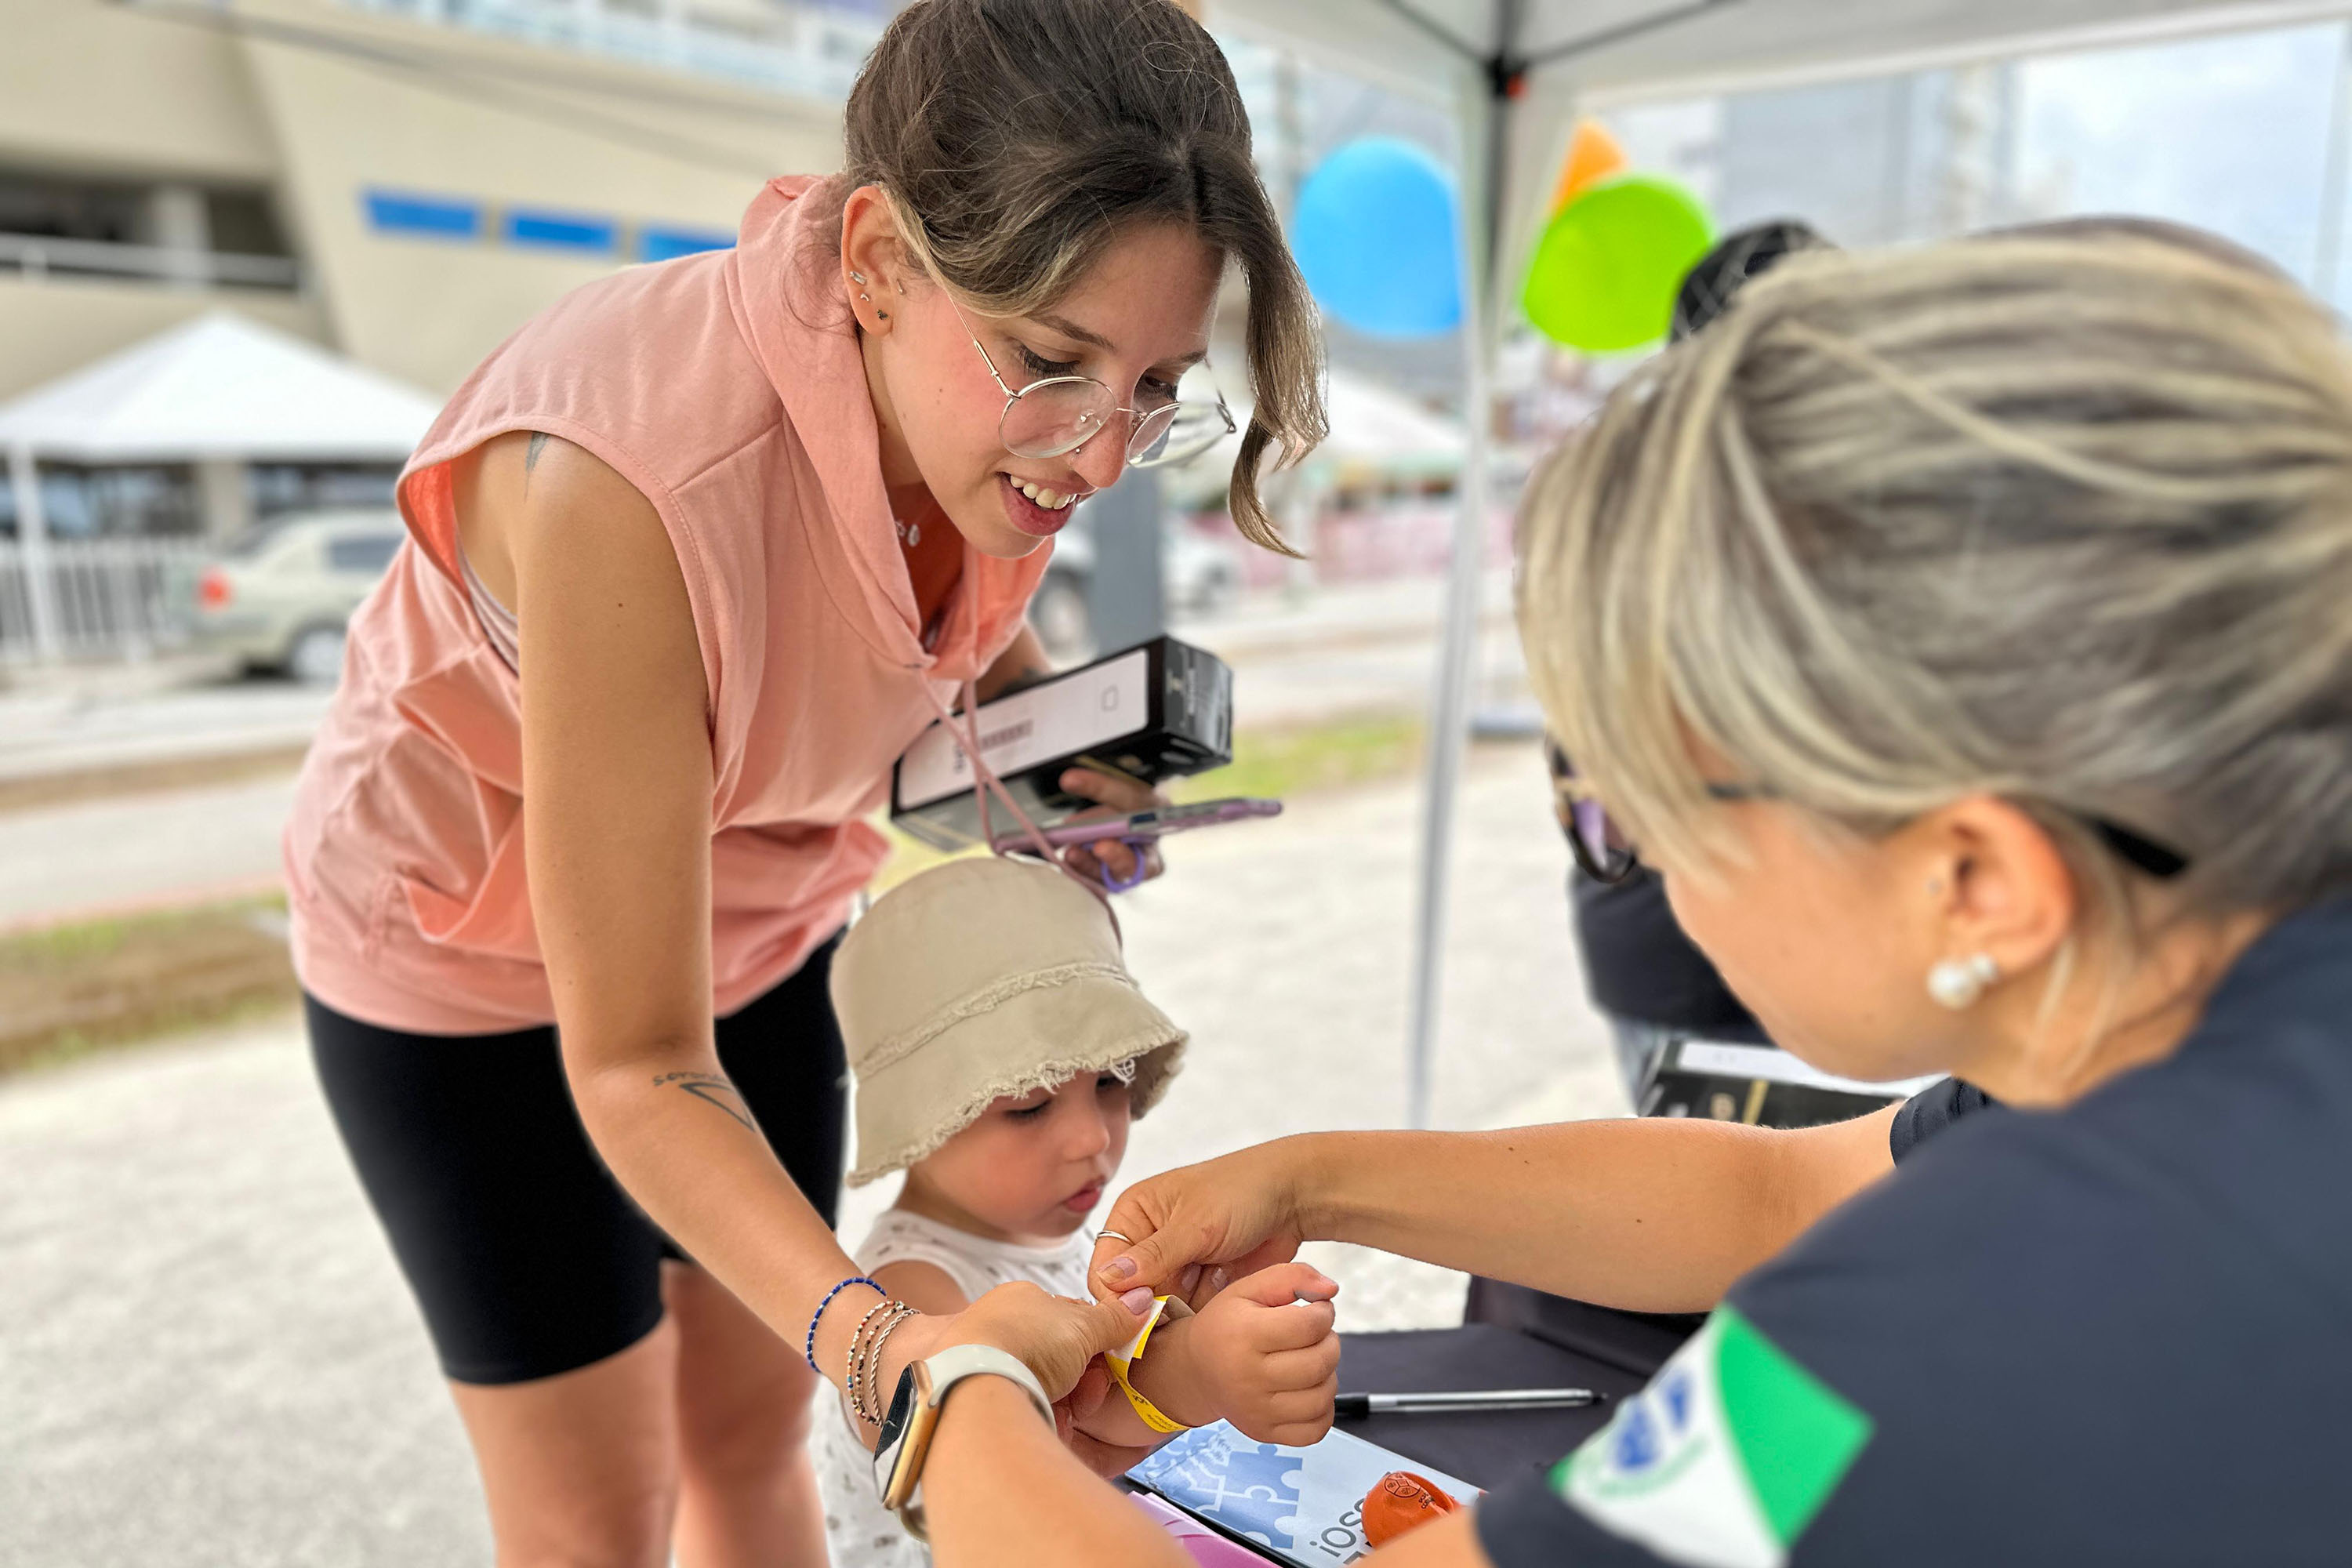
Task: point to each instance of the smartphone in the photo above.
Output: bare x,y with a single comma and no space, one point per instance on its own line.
1155,824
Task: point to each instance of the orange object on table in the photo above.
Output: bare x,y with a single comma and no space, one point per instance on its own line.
1402,1501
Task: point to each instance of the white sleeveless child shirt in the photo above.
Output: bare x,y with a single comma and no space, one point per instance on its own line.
860,1533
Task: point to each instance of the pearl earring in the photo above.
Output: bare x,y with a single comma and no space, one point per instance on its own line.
1957,982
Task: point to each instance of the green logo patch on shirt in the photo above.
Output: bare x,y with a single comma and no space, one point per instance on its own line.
1725,1458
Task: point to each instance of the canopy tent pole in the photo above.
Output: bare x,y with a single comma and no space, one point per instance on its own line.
1483,100
32,550
1490,85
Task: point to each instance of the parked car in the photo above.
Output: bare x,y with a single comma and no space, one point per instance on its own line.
1198,576
279,598
1204,575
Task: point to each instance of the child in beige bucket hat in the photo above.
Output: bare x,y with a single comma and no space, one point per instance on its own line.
1000,1049
981,980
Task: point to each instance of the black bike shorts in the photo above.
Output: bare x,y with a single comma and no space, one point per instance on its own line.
526,1256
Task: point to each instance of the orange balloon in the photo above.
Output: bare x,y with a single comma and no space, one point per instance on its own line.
1402,1502
1592,156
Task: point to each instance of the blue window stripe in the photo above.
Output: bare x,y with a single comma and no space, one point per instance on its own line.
661,244
441,217
559,231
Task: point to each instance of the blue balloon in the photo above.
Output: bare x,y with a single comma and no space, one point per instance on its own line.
1375,236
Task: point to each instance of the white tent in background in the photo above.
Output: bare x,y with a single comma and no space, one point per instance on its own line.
1372,425
220,386
216,389
1516,72
1373,428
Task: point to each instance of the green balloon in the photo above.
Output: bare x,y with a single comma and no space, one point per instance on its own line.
1605,273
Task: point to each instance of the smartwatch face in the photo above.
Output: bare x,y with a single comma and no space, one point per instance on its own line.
896,1423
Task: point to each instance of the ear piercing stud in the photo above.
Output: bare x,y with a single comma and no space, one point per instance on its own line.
1957,982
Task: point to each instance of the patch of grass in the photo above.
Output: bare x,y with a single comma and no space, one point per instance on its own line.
71,989
1281,763
909,856
156,777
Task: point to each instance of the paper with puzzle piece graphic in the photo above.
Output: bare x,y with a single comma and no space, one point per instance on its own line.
1303,1506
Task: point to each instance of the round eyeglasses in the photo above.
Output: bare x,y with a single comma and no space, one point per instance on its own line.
1062,413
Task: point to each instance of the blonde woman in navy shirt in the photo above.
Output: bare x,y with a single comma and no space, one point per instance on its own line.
1962,633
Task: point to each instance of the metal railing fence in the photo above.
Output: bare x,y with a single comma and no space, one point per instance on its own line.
96,598
39,256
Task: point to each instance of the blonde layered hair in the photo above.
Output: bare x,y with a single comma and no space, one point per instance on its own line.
2064,517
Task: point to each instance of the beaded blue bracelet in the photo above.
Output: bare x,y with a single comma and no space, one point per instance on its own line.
810,1349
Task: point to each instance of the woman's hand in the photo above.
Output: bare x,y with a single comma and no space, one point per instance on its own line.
1054,1336
1113,796
1234,1216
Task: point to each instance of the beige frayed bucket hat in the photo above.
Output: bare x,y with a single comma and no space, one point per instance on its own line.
980,978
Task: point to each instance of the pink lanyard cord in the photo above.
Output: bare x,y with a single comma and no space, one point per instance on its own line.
984,780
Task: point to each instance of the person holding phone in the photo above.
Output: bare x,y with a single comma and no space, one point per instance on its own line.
694,556
1959,632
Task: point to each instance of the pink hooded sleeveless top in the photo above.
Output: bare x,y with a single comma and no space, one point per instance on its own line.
728,389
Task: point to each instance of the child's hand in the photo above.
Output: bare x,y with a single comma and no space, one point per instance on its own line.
1266,1360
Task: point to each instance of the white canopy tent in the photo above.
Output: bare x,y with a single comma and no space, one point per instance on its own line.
1373,428
217,388
1516,72
1370,424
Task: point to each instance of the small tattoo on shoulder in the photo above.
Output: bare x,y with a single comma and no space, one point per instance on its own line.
530,452
711,1088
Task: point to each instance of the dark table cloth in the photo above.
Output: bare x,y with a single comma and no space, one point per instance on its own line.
1488,1447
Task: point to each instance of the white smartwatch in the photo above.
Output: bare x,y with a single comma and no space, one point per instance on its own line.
914,1416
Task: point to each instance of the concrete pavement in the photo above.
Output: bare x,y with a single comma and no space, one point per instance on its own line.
49,731
169,848
1361,650
207,1358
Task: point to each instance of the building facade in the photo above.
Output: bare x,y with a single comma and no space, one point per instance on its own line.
401,181
404,182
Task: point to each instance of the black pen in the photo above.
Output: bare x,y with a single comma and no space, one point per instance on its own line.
1355,1407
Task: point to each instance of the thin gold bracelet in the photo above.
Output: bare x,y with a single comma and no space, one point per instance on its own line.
875,1409
864,1368
855,1335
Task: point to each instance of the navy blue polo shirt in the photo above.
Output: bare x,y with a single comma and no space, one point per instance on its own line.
2116,1334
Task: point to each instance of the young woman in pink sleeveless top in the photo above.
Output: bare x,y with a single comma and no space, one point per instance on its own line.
569,857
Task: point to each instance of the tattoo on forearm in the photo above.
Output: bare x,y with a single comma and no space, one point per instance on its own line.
712,1088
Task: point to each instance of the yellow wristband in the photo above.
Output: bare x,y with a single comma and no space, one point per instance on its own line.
1120,1361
